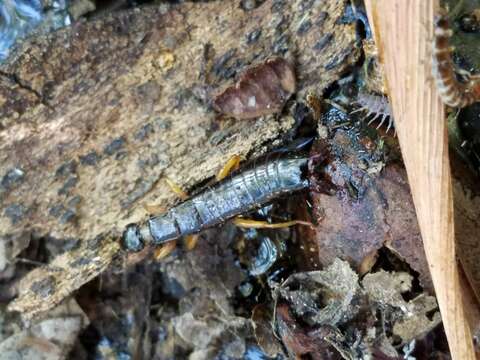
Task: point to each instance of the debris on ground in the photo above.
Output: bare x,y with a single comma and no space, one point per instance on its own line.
51,338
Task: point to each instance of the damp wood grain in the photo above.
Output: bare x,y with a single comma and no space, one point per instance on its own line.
94,117
421,128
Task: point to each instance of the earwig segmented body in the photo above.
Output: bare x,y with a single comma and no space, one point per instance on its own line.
453,92
237,195
375,105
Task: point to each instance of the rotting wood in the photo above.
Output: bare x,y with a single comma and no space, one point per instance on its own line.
402,30
49,285
94,117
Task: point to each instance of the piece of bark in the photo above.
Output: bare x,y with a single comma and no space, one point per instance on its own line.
421,128
94,117
47,286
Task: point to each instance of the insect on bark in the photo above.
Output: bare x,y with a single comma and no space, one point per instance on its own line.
452,91
229,198
376,105
261,90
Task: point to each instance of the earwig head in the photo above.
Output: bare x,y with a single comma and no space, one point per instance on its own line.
132,239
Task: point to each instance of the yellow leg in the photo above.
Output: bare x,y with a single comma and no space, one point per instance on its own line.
255,224
163,251
158,209
176,189
190,241
232,164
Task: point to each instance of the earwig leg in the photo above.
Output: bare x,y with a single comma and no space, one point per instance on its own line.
164,250
176,189
255,224
157,209
190,241
232,164
136,257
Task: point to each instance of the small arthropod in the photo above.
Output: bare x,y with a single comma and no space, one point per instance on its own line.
231,197
261,90
377,105
452,91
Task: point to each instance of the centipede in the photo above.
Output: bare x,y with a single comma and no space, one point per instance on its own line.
231,197
453,92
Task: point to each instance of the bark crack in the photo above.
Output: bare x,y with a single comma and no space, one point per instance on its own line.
17,81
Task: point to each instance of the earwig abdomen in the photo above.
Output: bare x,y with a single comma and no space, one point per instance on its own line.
235,196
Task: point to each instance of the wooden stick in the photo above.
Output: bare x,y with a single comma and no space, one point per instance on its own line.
403,31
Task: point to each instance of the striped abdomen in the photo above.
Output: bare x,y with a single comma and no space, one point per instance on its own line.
453,92
234,196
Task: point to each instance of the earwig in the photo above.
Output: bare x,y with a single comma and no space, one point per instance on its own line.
229,198
453,92
375,105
